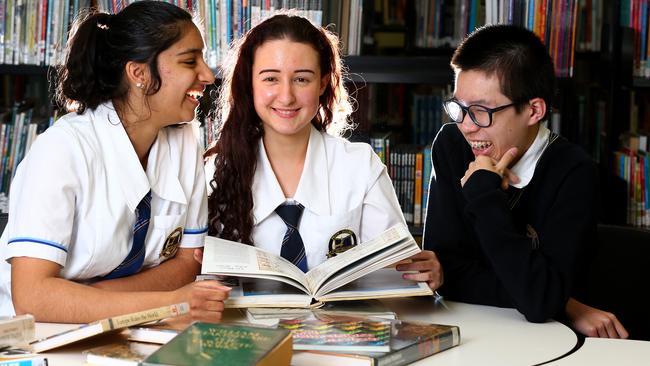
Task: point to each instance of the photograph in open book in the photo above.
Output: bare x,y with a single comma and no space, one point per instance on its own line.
267,280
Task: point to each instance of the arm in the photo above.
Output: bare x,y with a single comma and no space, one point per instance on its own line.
593,322
38,290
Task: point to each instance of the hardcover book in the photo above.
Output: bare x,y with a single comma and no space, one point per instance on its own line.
409,342
16,331
159,332
262,279
122,354
225,344
109,324
339,333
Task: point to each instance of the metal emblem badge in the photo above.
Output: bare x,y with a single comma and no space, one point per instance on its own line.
341,241
171,243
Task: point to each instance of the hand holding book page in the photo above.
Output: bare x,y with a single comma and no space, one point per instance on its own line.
263,277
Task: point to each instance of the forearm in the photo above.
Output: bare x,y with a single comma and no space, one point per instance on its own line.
169,275
58,300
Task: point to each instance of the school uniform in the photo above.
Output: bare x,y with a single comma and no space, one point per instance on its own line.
346,192
74,197
518,248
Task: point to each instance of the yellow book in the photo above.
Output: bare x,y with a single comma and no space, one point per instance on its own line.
107,325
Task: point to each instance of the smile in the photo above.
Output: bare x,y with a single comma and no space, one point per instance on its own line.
286,113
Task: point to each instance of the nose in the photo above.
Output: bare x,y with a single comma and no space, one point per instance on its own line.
286,93
206,75
467,125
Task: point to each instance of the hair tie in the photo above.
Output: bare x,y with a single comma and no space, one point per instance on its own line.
102,26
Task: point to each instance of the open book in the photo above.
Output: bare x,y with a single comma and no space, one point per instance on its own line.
263,279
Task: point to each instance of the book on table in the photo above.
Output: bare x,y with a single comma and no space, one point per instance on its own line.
107,325
225,344
21,357
159,332
16,331
360,308
120,354
404,341
263,279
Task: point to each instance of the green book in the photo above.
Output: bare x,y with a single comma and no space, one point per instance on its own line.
225,344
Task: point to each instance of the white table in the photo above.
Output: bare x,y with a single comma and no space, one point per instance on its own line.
489,336
606,352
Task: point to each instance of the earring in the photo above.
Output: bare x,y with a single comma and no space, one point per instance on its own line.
139,85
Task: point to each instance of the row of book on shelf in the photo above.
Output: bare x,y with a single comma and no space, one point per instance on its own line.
631,163
634,15
34,32
314,325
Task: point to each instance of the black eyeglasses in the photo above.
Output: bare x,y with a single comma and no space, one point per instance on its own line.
480,115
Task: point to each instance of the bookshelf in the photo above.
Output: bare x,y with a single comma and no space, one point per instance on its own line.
400,53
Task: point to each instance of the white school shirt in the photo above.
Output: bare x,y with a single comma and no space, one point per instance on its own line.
524,169
343,185
74,196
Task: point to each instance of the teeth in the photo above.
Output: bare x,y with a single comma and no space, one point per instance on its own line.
196,94
480,145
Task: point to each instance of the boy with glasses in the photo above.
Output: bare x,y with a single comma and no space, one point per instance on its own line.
511,204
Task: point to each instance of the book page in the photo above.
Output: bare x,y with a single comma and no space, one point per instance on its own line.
393,236
229,258
382,283
261,292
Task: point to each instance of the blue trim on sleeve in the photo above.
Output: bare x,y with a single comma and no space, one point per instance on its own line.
38,241
196,231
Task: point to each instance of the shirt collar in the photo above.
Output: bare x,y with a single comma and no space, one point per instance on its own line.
122,161
162,176
525,167
313,188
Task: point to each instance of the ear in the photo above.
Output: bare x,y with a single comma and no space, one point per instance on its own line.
136,73
537,110
324,81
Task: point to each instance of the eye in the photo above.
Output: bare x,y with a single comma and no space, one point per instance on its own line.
270,79
190,62
301,79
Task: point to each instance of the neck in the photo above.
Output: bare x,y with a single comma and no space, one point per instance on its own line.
287,157
141,129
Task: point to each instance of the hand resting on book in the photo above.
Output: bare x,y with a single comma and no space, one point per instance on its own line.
427,264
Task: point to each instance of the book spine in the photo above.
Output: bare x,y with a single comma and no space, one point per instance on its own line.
35,361
17,331
420,350
128,320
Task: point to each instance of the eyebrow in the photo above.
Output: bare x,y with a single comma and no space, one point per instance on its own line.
295,71
191,50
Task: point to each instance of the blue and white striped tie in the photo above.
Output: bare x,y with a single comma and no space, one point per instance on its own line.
293,248
134,260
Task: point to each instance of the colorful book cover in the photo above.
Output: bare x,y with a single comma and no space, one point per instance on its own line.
225,344
409,342
339,333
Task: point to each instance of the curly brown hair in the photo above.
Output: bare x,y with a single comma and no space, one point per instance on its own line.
230,205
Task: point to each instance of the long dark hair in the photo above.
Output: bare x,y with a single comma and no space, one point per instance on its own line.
230,204
101,44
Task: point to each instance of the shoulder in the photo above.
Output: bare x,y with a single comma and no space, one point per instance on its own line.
448,138
351,157
562,154
70,133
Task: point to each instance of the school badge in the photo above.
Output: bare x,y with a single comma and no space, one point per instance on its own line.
171,243
341,241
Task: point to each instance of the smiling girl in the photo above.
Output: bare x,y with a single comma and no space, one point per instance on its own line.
281,177
110,202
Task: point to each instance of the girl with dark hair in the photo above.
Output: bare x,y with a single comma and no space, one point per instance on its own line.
282,179
109,204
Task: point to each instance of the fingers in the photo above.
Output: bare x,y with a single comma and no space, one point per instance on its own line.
207,300
620,329
198,255
506,159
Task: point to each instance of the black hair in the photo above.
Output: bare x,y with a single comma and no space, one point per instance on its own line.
516,55
101,44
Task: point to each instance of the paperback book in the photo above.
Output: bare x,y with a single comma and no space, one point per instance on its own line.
16,331
203,344
262,279
21,357
107,325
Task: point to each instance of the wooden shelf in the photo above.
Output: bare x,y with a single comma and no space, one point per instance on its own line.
400,69
23,69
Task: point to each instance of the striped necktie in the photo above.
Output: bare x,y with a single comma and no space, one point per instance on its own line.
134,260
293,248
